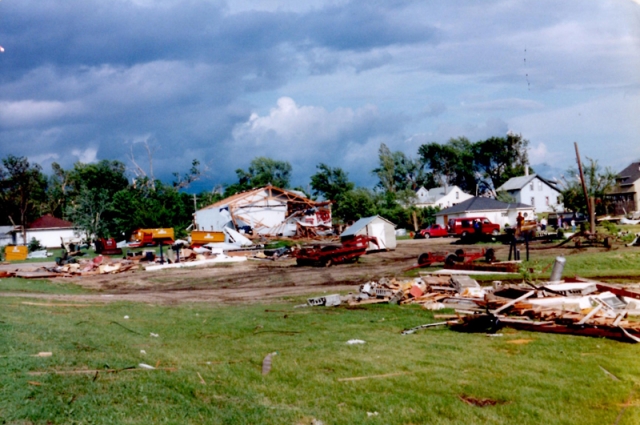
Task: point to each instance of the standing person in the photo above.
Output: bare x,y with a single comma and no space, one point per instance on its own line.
573,224
543,224
519,221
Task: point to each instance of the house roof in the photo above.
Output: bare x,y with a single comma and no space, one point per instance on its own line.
436,193
361,224
625,180
482,204
517,183
629,175
292,196
50,222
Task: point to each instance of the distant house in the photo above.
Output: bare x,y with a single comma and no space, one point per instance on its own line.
497,212
266,211
376,226
47,230
534,190
441,197
624,197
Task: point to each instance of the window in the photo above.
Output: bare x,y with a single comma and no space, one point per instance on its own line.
533,201
531,186
539,185
457,195
546,199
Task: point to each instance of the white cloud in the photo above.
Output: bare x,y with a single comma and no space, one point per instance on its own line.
87,155
538,154
33,112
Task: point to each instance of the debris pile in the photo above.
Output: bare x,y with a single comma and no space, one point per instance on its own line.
573,306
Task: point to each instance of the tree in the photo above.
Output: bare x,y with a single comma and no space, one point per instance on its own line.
597,181
90,189
58,191
397,172
182,182
330,183
497,159
22,190
481,166
261,172
355,204
450,164
87,212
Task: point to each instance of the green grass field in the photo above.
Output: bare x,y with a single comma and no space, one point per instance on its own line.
209,360
215,353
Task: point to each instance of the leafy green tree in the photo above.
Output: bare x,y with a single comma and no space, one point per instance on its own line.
355,204
330,183
497,159
450,164
397,172
89,190
597,180
22,191
87,212
142,206
261,172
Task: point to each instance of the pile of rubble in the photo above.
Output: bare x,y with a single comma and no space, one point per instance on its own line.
576,306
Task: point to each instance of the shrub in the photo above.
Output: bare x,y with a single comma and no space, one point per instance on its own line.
34,245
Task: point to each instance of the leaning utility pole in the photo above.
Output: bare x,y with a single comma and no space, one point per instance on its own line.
584,188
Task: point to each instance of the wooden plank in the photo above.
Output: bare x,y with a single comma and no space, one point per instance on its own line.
513,302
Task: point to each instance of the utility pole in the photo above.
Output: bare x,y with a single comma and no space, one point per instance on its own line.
584,188
195,207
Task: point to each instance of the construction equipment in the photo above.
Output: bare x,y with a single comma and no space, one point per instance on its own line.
152,237
326,255
201,237
107,247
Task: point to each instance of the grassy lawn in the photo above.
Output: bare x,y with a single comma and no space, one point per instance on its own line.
217,352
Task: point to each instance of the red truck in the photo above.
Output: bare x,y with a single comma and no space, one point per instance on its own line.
433,231
470,226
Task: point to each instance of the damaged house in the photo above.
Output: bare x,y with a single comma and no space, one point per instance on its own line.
268,211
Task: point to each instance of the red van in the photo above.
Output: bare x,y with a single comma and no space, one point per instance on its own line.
468,226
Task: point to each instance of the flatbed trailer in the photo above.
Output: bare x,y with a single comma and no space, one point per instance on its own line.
326,255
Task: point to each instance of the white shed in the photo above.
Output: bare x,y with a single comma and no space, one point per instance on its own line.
376,226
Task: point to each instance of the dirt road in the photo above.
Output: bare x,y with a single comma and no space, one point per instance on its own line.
252,281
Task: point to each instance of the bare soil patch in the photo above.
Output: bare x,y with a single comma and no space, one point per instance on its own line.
255,281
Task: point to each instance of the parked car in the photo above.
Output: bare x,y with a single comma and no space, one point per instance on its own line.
433,231
468,226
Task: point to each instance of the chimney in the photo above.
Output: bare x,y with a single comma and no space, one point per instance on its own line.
526,169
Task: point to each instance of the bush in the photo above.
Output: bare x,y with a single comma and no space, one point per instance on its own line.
34,245
610,227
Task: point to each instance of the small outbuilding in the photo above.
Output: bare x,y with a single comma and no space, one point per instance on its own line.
376,226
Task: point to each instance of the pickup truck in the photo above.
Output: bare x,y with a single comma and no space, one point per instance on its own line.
470,226
433,231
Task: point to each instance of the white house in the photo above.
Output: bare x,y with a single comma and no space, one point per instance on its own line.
267,211
497,212
542,194
47,230
376,226
442,197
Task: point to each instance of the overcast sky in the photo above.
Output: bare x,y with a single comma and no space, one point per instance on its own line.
315,81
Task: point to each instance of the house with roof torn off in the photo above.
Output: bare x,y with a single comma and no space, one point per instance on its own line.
269,211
